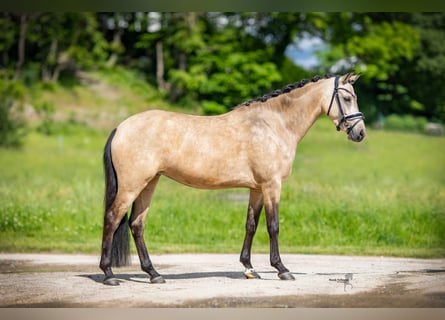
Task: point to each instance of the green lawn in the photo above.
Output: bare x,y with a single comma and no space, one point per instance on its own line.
384,196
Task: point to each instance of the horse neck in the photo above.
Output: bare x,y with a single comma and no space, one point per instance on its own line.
300,108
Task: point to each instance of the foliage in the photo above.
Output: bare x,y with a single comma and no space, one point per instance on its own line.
98,101
50,43
405,123
12,126
205,63
236,77
429,66
383,49
290,73
46,111
212,108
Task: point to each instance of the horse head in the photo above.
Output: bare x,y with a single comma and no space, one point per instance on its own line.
343,108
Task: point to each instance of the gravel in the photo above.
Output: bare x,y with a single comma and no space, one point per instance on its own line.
217,280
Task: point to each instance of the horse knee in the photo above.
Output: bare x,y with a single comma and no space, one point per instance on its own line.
251,227
273,229
137,227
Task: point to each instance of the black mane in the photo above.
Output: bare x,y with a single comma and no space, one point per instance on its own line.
286,89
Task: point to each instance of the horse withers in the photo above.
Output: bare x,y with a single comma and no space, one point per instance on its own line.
253,146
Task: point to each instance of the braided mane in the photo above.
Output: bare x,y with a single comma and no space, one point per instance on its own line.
286,89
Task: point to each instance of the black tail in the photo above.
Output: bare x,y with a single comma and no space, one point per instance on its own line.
120,253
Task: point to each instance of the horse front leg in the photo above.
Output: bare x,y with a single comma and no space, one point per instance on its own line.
253,214
271,204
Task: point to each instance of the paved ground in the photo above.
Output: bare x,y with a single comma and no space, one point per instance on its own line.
216,280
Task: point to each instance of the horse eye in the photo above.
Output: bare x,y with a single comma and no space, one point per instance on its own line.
347,98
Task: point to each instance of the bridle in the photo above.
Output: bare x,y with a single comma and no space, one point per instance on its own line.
344,117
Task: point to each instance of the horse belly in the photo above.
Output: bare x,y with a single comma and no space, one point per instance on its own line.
208,182
211,173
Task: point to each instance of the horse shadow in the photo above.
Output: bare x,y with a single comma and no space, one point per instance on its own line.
144,278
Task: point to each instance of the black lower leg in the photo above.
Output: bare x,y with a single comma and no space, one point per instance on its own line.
146,264
107,244
249,271
253,214
275,259
247,244
105,265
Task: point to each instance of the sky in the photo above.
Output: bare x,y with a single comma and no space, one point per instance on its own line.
301,52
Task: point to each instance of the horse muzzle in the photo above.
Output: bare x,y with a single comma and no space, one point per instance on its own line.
358,132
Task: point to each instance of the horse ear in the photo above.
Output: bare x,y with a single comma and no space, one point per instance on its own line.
350,78
353,78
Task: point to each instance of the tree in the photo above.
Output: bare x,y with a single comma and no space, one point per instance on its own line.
209,57
175,38
45,44
12,126
67,41
21,45
233,65
7,42
429,66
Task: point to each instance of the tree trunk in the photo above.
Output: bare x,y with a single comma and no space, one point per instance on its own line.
182,61
160,66
115,44
51,61
21,45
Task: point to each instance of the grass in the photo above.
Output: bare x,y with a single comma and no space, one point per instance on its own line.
100,100
384,196
50,194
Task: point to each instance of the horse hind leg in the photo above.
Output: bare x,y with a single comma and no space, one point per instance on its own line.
137,222
253,214
115,242
115,248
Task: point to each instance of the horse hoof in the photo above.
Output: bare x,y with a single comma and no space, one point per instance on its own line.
111,282
158,279
251,274
286,276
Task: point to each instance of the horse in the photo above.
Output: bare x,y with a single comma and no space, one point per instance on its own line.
252,146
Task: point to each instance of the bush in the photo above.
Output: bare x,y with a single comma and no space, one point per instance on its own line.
407,123
212,108
12,126
46,111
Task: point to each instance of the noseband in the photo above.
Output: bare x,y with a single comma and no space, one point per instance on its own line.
344,117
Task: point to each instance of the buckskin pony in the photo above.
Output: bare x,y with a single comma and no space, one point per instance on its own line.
252,146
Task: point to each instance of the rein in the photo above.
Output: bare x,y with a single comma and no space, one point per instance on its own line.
344,117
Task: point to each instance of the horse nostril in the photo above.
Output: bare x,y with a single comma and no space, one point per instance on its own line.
362,134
